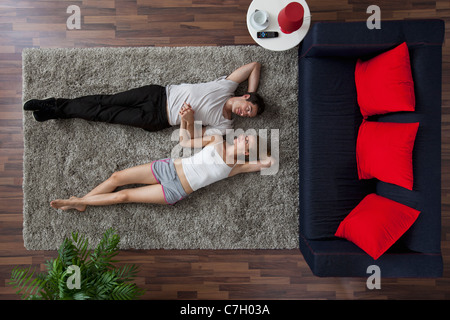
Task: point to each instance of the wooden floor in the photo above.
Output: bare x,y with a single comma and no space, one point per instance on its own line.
190,274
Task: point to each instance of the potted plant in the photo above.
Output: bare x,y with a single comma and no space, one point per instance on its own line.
79,273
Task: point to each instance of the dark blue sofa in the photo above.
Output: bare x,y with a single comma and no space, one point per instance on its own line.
329,119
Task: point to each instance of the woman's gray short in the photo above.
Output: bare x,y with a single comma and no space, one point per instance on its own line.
165,173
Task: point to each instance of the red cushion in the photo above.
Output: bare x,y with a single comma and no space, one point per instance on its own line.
376,224
384,83
384,151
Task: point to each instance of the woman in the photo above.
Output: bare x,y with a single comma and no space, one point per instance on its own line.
168,181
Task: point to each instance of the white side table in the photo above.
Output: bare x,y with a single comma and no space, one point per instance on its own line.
284,41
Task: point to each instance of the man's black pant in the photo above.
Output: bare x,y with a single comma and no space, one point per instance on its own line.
143,107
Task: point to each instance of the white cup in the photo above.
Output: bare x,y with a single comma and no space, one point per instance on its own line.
260,18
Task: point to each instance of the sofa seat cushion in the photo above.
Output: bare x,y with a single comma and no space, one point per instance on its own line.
425,195
331,119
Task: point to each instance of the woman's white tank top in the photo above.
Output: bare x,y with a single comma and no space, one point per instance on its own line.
205,167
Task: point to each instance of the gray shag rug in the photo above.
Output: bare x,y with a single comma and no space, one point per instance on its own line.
64,158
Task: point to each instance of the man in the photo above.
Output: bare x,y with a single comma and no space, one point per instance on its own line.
155,107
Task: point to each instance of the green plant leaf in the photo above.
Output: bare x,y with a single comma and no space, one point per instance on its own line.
106,250
28,287
127,272
99,278
81,247
126,291
81,296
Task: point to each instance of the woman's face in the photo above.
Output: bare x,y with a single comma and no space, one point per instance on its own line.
244,143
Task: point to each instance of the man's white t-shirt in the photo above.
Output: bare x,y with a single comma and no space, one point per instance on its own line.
206,99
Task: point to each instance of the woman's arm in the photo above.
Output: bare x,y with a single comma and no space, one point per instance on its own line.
253,166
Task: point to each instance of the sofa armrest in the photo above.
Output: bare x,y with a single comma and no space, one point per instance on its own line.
354,39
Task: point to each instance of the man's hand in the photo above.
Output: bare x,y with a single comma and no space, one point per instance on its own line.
186,113
187,123
249,71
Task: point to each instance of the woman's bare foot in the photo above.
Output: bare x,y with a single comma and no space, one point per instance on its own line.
72,203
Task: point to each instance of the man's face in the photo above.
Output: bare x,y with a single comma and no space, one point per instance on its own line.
244,108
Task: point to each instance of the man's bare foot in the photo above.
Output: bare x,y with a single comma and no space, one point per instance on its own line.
72,203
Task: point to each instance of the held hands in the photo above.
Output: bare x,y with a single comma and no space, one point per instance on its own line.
186,113
187,124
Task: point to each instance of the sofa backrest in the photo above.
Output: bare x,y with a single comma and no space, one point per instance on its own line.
354,39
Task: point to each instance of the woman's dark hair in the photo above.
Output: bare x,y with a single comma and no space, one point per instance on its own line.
257,100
